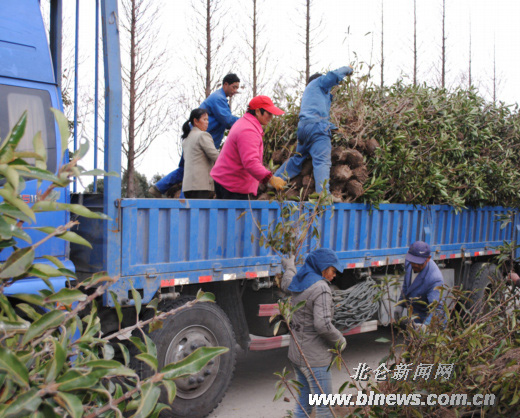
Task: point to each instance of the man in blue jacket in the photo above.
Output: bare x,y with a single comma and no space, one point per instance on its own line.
314,129
420,287
220,119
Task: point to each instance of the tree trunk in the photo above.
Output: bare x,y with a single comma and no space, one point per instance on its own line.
443,69
308,42
414,42
382,45
208,47
131,111
254,50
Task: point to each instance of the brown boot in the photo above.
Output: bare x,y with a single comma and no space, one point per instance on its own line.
154,191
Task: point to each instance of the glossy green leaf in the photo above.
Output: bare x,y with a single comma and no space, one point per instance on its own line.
72,404
171,389
63,126
125,353
56,363
149,397
39,146
48,321
103,364
29,311
67,296
117,306
279,393
193,363
11,142
13,212
51,206
54,260
11,175
205,296
29,171
23,405
14,368
74,380
136,296
67,236
149,360
17,263
19,204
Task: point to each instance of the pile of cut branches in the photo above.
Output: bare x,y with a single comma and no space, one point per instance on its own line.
417,145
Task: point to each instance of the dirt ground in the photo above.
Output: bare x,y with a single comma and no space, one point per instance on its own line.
253,388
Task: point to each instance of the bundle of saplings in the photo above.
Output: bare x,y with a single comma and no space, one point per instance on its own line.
417,145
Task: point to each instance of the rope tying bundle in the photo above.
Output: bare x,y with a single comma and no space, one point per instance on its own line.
354,305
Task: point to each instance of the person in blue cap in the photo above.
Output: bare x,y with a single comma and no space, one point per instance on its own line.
312,324
314,129
422,281
220,119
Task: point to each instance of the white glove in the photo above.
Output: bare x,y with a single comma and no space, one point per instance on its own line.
343,344
420,327
398,312
288,262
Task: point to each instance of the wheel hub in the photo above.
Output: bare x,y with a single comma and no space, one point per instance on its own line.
181,346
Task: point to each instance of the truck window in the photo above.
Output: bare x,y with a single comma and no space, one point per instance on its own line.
13,102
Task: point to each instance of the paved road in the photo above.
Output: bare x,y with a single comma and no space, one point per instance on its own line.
252,390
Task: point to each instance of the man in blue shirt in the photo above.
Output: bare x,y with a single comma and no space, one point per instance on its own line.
220,119
314,129
421,284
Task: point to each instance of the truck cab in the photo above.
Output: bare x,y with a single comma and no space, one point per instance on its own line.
28,84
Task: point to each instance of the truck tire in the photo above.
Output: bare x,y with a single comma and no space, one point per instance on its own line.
479,279
204,324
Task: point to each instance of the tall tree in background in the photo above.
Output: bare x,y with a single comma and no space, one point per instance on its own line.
382,44
308,34
469,63
414,42
147,105
209,35
494,71
257,49
443,47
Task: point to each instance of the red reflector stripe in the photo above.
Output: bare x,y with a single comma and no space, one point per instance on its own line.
205,279
443,256
351,266
251,274
374,263
490,252
168,283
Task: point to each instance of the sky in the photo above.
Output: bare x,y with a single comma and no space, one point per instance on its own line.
349,33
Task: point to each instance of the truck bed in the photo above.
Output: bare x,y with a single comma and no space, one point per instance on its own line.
172,242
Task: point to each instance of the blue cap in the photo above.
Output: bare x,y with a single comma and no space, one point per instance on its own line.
418,252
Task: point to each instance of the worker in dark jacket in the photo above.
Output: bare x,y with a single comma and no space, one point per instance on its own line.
314,129
422,281
312,324
220,119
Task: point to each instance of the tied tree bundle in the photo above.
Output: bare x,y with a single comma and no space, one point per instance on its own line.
417,145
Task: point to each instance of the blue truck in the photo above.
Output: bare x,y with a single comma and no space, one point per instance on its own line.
170,248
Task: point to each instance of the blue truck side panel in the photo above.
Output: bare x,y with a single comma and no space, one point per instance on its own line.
195,241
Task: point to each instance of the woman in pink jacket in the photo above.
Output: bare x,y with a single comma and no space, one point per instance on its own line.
239,168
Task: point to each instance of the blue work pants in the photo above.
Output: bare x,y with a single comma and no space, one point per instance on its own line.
172,178
313,141
304,376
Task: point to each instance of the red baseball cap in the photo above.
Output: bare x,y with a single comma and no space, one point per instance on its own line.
264,102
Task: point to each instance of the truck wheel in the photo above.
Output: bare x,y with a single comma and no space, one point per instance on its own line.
204,324
479,280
